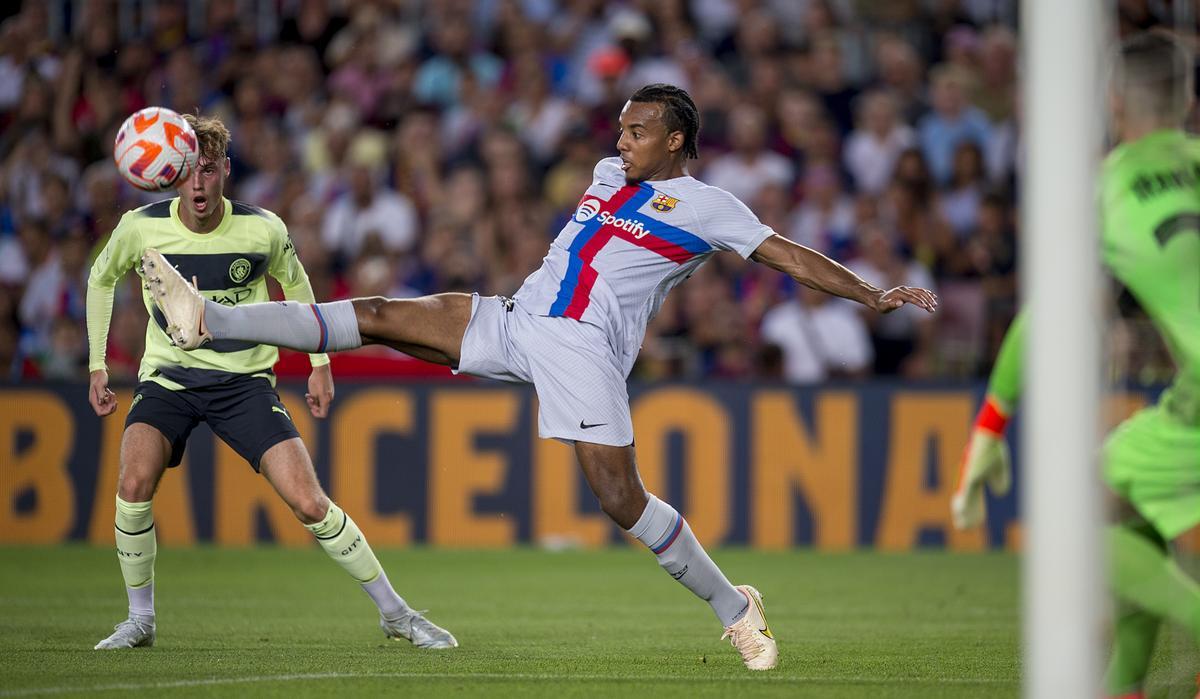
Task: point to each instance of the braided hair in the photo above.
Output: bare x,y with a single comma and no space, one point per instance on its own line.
680,113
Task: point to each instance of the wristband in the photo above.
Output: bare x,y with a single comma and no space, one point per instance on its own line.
991,418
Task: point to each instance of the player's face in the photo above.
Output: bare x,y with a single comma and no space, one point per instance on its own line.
648,151
200,194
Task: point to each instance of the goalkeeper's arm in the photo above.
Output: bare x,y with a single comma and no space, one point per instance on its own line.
986,458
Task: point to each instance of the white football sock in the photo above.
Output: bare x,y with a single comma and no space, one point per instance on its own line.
306,327
667,534
391,605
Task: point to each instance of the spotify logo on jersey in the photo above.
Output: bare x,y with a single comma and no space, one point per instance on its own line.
588,208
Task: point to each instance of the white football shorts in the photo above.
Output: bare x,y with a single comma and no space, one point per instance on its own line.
580,384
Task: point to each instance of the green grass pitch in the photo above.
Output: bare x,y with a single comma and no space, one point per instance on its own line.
275,622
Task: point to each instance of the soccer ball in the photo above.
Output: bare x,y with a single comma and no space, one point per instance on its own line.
156,149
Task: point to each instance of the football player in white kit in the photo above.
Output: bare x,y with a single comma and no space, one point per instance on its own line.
575,327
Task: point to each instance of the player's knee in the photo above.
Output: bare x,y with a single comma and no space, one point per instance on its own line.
311,509
369,311
623,503
135,487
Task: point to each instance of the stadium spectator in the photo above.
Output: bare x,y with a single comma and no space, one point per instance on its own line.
439,79
996,90
900,72
369,209
750,166
65,357
875,145
539,117
756,38
951,121
650,63
902,342
829,80
958,203
271,161
825,219
56,287
996,251
820,338
314,24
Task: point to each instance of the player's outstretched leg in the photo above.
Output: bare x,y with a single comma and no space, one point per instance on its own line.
429,328
613,477
289,470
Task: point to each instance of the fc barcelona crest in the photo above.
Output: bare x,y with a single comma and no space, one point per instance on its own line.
663,203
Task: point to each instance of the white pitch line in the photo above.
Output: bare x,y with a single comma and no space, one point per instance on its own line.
177,684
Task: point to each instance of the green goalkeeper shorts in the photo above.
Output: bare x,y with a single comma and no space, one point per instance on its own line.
1153,461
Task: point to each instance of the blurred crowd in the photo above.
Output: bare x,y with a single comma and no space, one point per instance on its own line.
417,147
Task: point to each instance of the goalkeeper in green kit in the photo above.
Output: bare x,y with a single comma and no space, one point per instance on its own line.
1150,198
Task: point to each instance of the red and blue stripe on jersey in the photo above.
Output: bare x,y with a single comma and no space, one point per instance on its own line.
671,242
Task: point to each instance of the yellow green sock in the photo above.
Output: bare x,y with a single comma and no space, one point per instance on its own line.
342,540
136,550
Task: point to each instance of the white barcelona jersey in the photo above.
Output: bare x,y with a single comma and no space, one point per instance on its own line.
628,245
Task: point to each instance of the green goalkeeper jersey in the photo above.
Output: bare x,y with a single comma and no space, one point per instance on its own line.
1150,209
1151,216
230,265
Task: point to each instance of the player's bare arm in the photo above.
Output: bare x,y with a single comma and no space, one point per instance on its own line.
817,271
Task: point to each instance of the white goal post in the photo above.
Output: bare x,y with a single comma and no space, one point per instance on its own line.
1063,591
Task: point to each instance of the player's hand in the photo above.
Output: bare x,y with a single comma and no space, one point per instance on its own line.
890,300
102,399
320,391
986,462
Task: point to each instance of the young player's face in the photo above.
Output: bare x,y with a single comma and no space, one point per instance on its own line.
200,194
648,151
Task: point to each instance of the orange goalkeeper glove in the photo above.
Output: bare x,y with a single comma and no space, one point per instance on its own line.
985,461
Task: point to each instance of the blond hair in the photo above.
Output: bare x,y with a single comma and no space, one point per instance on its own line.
212,135
1154,73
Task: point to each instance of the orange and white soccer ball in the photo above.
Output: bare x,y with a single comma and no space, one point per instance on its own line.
156,149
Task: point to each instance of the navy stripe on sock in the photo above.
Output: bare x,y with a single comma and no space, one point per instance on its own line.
134,533
339,531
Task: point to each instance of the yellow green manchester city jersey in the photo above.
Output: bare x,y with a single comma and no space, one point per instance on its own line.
1151,210
230,265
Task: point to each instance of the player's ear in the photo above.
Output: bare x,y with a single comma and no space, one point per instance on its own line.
228,164
675,142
